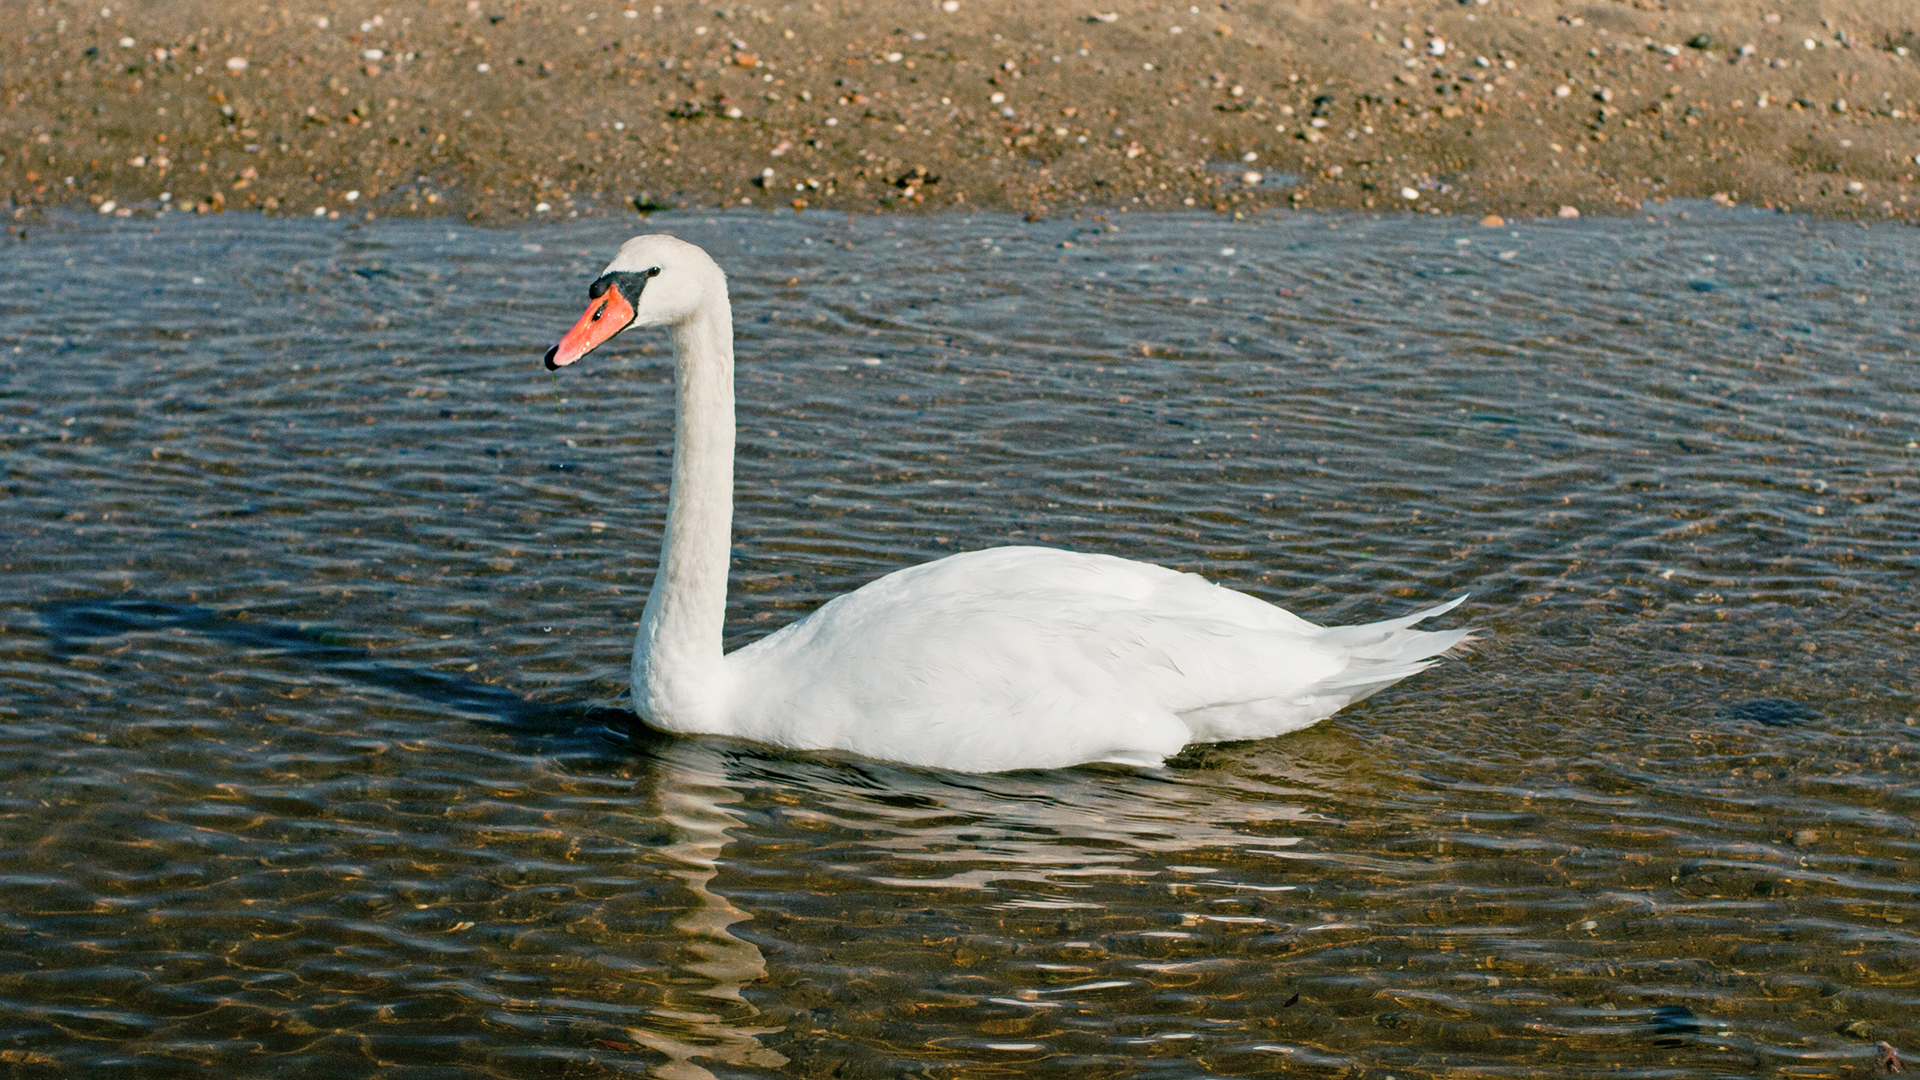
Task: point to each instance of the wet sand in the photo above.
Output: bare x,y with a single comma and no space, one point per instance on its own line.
501,109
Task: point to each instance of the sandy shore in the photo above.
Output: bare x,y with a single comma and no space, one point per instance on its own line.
502,109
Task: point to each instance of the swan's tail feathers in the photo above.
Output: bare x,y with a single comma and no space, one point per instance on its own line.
1372,668
1378,655
1383,653
1365,633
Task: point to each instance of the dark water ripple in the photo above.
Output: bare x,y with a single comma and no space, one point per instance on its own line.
314,591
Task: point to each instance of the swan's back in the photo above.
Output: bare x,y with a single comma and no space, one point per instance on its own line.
1026,657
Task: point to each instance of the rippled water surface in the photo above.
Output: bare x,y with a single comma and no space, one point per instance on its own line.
316,593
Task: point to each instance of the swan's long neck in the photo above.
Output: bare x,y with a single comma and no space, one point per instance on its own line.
677,664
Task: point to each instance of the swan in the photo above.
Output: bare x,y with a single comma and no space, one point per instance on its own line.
984,661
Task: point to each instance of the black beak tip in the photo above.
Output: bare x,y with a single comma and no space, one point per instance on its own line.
551,353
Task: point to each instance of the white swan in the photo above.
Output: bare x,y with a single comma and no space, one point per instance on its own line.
1009,658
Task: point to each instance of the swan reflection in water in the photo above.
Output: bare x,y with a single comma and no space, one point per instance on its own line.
705,1016
973,846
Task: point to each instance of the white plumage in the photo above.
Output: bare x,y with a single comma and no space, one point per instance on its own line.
1009,658
1029,657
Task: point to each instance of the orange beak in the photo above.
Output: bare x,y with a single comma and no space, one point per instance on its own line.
606,316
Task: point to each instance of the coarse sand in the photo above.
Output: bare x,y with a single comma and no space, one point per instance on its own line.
509,109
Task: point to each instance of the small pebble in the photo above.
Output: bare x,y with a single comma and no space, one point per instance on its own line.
1569,212
236,63
1493,221
1251,178
1409,194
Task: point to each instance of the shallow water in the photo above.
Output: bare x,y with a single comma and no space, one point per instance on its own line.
316,591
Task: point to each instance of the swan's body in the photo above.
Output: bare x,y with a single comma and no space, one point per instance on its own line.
1009,658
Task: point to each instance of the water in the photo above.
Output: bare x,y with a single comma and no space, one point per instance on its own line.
316,594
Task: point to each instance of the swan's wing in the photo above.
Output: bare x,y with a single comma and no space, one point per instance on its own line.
976,662
1017,657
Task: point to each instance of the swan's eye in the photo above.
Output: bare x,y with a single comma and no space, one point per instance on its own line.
653,271
601,310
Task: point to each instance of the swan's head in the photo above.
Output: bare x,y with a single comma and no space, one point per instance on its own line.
655,281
